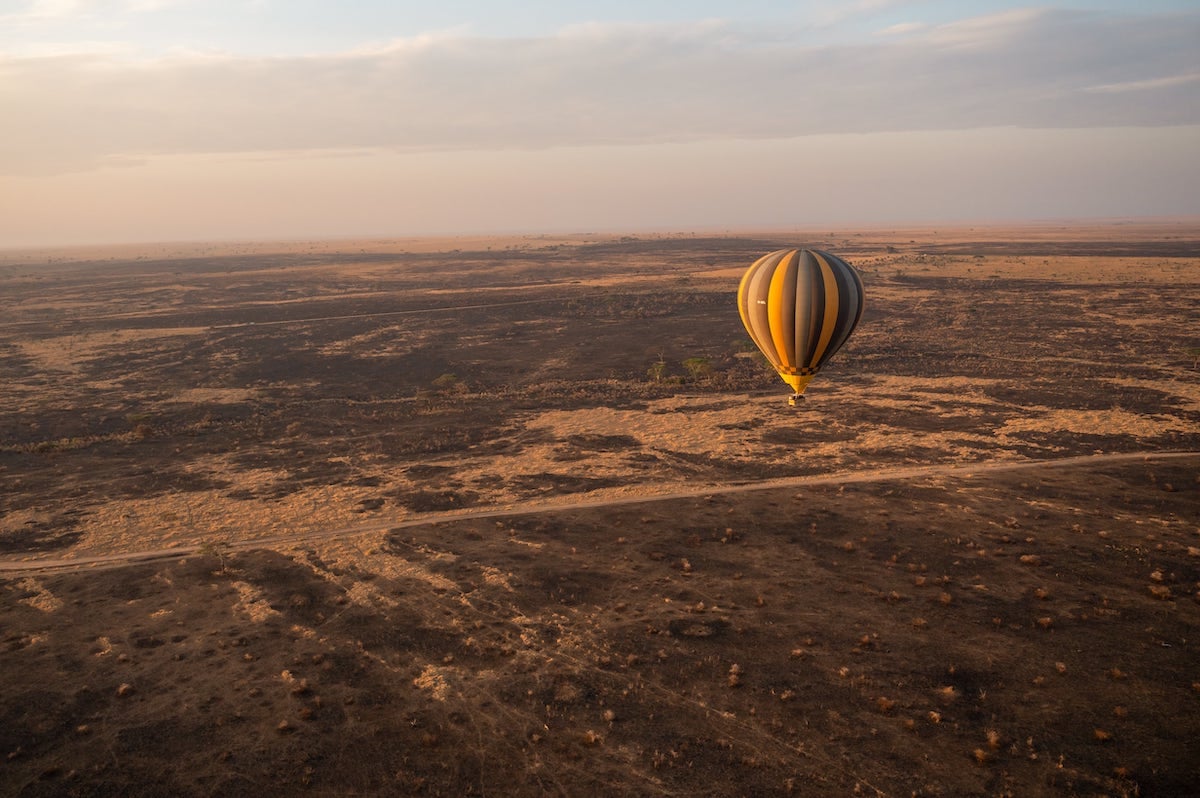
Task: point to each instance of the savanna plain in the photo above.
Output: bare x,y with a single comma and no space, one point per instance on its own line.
530,516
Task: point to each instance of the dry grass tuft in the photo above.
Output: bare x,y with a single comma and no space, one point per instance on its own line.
432,681
1160,592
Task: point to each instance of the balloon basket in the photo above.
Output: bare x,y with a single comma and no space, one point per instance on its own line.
795,399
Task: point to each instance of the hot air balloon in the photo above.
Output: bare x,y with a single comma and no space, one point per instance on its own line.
800,306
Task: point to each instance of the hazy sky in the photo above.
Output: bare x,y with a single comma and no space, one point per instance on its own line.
153,120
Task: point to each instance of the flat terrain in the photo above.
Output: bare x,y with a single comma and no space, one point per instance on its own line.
416,517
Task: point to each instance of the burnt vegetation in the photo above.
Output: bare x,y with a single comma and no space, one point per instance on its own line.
332,370
1026,632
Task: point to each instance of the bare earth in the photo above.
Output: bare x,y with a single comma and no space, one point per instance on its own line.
411,517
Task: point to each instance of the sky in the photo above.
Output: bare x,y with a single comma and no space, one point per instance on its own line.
200,120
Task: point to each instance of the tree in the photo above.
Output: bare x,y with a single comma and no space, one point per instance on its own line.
697,367
658,369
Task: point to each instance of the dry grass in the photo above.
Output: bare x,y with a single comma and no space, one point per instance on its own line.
891,612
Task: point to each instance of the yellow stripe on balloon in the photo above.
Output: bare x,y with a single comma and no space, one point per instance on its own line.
831,310
780,315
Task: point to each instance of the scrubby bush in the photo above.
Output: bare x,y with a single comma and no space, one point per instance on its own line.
697,367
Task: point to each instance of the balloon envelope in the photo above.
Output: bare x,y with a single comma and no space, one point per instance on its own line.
800,306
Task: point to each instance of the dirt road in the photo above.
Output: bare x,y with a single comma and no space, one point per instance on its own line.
121,559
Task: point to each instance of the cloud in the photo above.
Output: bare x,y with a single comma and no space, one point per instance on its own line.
1169,81
902,28
994,29
602,84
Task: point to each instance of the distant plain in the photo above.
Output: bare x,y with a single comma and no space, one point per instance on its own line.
425,517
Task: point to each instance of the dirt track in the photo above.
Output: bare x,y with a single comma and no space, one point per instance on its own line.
117,559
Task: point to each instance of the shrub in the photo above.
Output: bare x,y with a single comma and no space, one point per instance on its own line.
697,367
448,383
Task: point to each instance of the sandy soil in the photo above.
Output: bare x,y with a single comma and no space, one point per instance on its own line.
390,485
